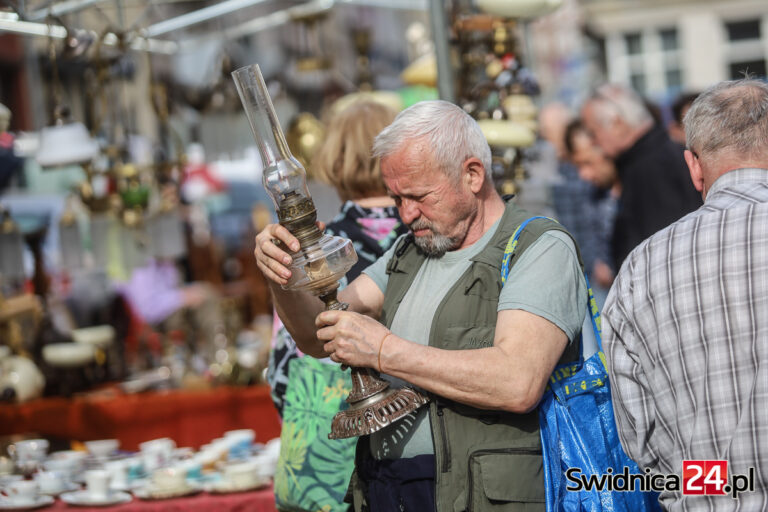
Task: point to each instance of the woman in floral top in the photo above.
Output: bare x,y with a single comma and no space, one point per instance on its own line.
313,472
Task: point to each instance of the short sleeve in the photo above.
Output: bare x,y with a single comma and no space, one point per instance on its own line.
548,281
378,269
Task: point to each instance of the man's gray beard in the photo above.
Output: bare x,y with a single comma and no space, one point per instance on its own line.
435,245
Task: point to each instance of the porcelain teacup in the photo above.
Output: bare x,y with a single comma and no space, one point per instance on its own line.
51,482
97,483
168,479
22,492
241,474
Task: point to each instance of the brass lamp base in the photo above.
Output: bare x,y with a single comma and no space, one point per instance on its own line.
373,405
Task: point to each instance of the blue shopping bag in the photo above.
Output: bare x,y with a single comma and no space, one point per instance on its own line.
578,432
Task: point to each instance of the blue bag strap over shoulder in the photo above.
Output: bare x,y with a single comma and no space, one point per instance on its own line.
509,250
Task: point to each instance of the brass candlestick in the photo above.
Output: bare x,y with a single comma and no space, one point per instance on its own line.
321,260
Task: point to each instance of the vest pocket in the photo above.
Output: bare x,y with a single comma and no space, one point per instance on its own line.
505,480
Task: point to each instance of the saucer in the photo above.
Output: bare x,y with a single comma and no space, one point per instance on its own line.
7,479
40,501
129,486
150,492
69,487
226,487
86,499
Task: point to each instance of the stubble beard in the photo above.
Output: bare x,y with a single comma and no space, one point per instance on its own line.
435,244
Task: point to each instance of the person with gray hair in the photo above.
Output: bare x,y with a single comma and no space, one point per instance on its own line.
432,312
684,324
656,186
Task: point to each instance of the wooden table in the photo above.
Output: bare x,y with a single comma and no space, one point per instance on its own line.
191,418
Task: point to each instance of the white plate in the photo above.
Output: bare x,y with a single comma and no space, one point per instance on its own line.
40,501
150,492
86,499
225,487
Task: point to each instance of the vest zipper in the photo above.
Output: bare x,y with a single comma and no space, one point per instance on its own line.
486,452
446,465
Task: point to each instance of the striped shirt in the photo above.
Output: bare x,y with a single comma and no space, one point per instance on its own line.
686,339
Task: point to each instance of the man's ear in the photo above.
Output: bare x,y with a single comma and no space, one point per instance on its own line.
473,171
694,166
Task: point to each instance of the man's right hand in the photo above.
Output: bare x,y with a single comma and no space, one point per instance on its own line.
271,257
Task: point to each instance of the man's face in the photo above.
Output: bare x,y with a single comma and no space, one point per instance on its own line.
436,208
593,166
605,135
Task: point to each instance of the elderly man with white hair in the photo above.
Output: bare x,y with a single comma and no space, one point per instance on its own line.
656,188
432,312
686,323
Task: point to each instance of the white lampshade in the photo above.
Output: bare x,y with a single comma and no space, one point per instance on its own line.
518,8
507,134
65,145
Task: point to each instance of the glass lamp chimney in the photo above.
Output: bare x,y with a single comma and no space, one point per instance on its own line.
283,176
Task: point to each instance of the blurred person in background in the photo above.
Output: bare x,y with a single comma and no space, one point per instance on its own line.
656,186
309,392
685,326
595,168
680,107
574,198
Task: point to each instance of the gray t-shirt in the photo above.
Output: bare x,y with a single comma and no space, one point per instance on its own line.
547,281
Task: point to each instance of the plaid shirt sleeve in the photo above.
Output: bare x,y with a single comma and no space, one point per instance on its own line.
631,394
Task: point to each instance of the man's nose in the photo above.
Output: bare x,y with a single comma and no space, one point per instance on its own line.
409,211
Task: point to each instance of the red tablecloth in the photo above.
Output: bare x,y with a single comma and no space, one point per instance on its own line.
191,418
256,501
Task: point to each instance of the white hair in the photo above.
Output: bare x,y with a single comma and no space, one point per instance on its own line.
611,101
451,133
729,116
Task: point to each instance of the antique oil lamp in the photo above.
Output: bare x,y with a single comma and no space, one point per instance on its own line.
321,260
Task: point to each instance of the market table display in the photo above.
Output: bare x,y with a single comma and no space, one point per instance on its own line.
230,473
191,418
255,501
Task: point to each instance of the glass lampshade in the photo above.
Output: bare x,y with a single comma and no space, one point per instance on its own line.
11,249
166,232
71,244
322,260
283,176
100,226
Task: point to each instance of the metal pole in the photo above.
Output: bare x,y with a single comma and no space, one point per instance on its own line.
61,8
439,24
198,16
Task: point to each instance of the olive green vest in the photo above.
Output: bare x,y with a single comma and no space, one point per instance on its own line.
486,460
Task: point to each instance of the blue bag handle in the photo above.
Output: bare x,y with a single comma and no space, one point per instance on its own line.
594,313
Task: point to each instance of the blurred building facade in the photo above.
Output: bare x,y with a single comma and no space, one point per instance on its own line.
664,47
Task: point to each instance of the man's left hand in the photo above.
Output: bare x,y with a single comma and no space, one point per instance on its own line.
350,338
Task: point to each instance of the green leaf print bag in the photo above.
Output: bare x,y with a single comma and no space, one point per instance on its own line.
313,471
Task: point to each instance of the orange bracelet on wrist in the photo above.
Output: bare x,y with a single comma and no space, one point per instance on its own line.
381,345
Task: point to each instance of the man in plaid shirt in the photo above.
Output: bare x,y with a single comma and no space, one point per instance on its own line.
686,322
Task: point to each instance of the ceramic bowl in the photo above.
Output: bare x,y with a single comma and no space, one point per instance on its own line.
68,355
100,336
102,447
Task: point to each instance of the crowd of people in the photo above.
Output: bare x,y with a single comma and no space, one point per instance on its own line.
683,232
